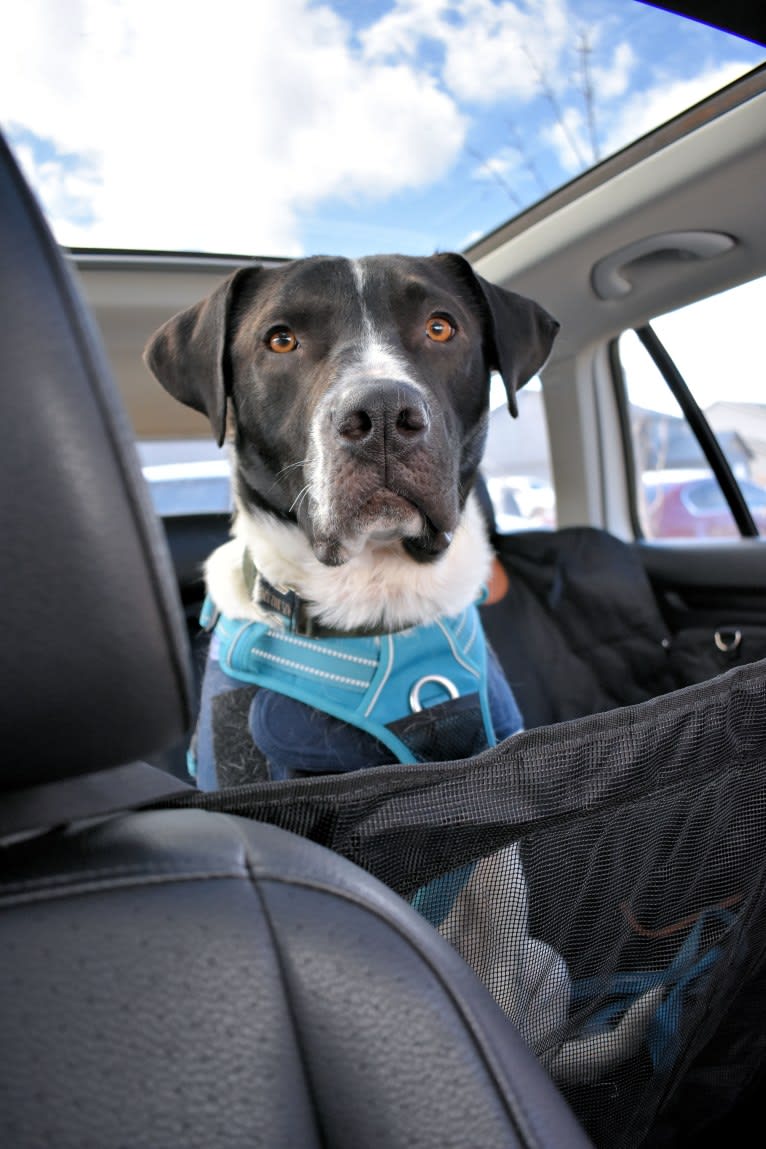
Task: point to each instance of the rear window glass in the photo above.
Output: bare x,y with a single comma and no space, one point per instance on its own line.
677,494
186,477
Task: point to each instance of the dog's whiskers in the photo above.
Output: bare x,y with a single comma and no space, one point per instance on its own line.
290,467
295,505
281,473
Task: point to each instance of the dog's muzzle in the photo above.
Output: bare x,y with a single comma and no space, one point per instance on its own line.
382,471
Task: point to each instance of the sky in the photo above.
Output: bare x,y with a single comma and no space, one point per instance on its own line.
289,127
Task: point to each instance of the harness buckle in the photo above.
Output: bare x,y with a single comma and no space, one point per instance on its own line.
282,601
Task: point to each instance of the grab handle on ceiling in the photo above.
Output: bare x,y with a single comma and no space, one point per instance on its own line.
608,276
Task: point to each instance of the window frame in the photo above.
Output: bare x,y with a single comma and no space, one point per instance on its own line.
699,426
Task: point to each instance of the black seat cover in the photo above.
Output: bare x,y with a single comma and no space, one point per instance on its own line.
180,977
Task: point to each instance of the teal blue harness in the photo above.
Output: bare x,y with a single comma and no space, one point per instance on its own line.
397,687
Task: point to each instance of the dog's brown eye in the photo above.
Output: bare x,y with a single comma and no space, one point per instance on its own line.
281,339
439,329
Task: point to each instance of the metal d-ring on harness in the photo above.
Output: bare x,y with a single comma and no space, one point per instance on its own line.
727,641
415,703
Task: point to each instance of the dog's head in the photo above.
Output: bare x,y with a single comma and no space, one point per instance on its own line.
355,391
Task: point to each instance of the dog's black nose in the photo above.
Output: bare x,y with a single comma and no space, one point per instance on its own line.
381,412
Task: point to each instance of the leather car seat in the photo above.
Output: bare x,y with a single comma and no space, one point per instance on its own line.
180,977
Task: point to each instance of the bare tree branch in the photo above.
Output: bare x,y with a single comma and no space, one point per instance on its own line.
558,111
517,141
584,49
495,175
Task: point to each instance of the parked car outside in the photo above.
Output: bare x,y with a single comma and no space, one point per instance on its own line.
683,505
521,502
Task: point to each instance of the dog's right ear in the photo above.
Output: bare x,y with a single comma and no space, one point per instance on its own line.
520,331
188,353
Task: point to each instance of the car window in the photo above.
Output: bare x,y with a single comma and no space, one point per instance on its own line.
714,343
186,476
516,463
348,128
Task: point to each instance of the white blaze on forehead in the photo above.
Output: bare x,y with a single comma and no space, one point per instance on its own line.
377,357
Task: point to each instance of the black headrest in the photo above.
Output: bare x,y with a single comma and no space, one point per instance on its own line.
94,667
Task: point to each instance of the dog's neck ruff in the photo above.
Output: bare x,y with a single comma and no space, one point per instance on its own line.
379,590
293,612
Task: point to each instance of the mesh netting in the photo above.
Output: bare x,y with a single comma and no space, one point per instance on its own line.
605,879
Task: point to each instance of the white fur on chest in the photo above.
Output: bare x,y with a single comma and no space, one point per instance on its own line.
380,586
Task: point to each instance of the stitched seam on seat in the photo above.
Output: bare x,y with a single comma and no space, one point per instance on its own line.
285,981
46,889
518,1113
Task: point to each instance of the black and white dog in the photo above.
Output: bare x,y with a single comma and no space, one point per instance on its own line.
355,396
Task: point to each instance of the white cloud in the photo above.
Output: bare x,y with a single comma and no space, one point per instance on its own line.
67,193
401,31
214,133
491,50
645,110
567,135
612,80
509,51
503,163
505,50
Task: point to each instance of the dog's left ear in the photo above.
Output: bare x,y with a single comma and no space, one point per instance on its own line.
188,353
520,332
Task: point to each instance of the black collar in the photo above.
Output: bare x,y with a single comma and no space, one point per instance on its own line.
288,603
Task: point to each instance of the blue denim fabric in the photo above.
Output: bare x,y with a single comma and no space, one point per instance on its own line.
279,724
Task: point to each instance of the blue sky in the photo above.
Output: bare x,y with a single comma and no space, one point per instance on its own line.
286,127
